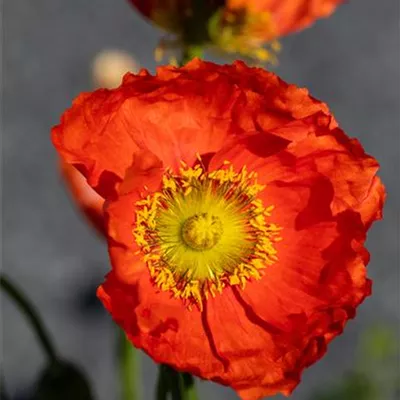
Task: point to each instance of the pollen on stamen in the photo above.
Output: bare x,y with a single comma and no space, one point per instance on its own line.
203,231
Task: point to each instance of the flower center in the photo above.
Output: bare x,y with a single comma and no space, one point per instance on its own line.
202,231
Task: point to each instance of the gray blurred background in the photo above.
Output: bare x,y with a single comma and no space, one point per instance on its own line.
351,61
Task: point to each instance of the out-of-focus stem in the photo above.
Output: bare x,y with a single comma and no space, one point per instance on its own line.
162,388
195,31
129,369
32,315
190,52
179,385
189,387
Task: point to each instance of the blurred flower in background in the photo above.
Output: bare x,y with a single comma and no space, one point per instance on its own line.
110,65
187,20
250,28
171,15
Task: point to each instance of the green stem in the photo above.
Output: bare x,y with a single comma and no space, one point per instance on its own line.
176,385
32,315
190,388
195,31
179,385
162,389
129,369
190,52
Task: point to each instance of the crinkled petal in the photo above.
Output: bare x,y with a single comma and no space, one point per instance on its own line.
88,201
103,130
289,15
343,164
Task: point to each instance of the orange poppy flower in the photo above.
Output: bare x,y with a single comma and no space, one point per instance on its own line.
288,15
237,212
248,27
244,26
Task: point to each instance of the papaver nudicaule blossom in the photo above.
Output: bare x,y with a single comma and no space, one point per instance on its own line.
236,212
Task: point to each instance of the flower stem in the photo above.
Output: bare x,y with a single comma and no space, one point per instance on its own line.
129,368
195,31
190,52
179,385
32,315
162,388
189,387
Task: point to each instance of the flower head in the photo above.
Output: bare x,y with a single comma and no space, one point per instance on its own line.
287,16
251,28
237,212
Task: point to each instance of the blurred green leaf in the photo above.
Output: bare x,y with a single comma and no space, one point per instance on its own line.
63,381
359,386
376,375
355,386
378,343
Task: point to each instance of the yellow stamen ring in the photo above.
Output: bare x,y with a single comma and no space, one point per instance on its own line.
205,230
